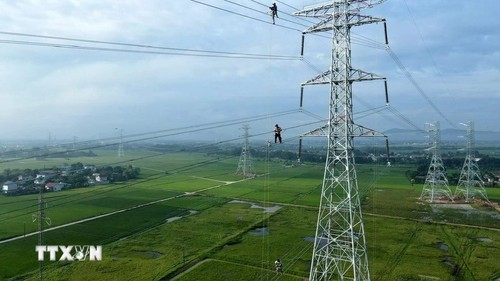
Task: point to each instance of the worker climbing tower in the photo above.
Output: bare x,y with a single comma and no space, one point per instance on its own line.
245,167
470,183
340,251
436,184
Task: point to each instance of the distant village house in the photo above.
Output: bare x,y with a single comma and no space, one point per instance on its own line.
54,186
9,187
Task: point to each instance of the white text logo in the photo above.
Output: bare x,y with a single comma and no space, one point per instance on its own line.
70,253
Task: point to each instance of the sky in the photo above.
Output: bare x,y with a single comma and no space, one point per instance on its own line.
445,66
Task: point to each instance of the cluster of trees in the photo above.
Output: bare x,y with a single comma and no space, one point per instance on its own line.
78,175
119,173
45,152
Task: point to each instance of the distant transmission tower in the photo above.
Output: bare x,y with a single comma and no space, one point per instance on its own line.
41,218
245,166
340,251
470,183
436,184
121,152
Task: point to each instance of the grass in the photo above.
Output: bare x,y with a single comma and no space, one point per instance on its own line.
176,244
96,232
223,270
79,204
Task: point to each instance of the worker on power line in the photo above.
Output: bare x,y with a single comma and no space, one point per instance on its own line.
279,266
277,133
274,11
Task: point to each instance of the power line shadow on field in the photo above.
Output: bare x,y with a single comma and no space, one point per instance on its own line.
387,270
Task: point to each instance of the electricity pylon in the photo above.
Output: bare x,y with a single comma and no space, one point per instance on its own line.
340,251
41,217
245,167
470,183
436,183
121,152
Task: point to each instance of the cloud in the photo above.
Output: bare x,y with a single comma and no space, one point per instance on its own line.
74,92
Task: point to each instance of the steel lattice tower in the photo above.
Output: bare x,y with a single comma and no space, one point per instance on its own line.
436,183
470,182
121,151
245,166
340,251
41,218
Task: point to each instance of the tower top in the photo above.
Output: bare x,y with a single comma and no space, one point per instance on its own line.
326,8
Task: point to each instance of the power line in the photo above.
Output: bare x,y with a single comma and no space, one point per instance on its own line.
206,53
365,41
281,2
66,46
358,41
190,127
368,42
242,15
375,110
264,5
253,18
408,75
130,160
100,192
163,133
139,45
405,119
176,170
427,51
374,44
152,177
420,33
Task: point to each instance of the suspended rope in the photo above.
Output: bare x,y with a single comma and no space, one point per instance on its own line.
266,222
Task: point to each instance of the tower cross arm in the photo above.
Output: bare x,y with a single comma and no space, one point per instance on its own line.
318,132
360,75
354,75
357,131
326,8
323,78
361,131
354,20
318,10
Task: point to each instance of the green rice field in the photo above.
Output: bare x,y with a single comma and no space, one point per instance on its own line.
190,217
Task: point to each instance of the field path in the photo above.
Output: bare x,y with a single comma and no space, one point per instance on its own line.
389,216
121,211
202,178
434,222
230,262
